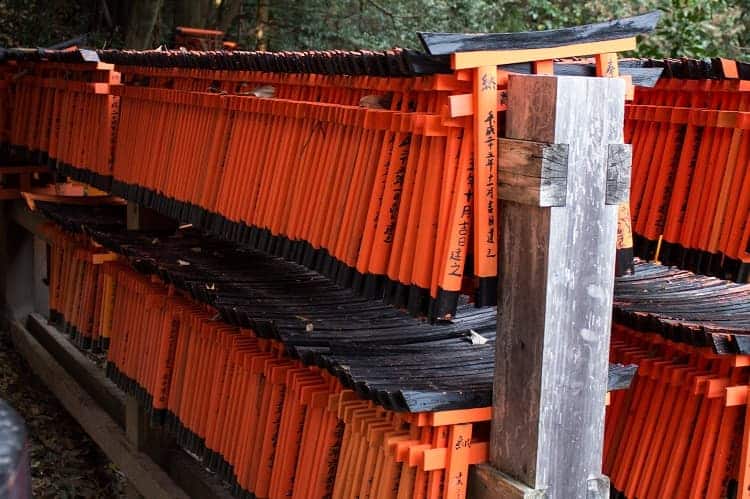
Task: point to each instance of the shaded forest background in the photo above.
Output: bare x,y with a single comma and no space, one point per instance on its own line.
698,28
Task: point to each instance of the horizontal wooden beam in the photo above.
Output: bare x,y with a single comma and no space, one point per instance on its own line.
437,459
449,43
485,482
466,60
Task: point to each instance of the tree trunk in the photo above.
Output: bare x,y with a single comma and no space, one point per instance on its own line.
208,13
261,26
168,19
121,11
188,13
229,11
141,25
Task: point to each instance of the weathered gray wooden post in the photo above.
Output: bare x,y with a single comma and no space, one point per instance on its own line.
562,171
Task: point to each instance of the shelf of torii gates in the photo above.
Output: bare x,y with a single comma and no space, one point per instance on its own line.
385,148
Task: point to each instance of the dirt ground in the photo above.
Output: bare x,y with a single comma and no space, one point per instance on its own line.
65,462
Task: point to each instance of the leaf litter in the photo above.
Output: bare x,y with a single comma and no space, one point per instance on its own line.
65,462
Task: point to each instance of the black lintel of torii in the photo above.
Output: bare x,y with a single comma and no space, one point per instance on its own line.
449,43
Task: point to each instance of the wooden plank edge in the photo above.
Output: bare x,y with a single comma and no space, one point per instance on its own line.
145,475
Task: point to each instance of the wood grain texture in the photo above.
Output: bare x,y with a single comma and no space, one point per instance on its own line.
448,43
485,482
556,279
533,118
642,77
619,160
532,173
524,243
620,376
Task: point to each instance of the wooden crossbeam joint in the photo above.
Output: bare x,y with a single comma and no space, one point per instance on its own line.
534,173
486,483
619,159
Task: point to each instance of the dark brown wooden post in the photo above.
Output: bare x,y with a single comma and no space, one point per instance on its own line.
562,171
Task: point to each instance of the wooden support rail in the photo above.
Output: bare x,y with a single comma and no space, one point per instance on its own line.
617,29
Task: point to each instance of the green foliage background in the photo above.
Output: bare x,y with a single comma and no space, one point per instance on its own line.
696,28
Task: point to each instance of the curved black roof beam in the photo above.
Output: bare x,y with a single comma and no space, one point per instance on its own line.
449,43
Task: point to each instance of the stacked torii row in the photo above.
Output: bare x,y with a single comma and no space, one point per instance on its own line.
372,140
558,230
